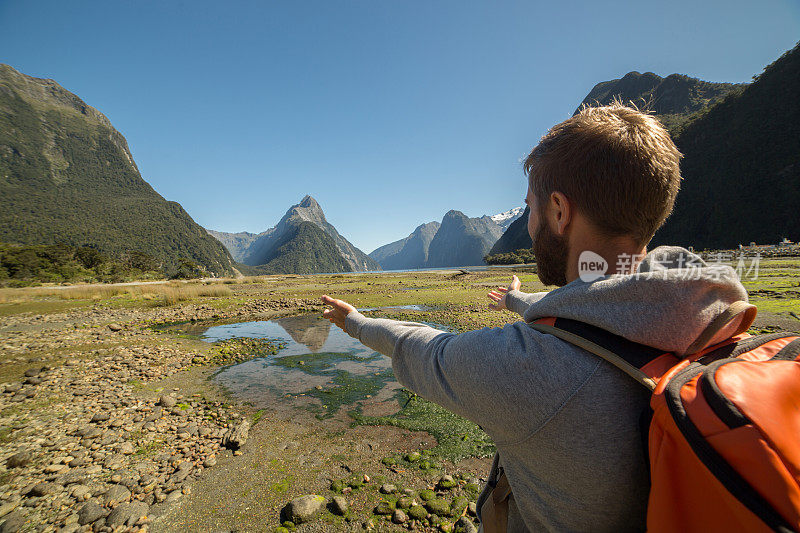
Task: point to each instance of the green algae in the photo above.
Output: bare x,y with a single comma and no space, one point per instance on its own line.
457,438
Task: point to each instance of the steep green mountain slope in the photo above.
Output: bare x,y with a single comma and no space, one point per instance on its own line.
67,177
741,166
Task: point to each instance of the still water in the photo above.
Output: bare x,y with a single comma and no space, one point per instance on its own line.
318,358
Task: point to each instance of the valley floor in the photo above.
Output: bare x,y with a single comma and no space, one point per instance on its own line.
109,421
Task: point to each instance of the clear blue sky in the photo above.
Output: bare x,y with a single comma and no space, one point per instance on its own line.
389,113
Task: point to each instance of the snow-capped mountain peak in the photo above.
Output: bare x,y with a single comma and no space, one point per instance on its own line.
505,218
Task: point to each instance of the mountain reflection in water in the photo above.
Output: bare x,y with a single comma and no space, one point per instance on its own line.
310,330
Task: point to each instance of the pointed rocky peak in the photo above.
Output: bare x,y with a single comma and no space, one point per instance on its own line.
308,209
453,215
309,202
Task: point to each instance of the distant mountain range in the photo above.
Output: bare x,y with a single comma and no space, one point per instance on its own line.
457,241
68,177
302,242
741,155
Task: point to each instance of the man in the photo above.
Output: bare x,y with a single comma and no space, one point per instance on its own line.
566,423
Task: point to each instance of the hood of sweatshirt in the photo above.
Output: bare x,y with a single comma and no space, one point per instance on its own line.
667,303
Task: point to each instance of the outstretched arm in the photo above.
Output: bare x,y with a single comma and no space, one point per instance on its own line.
474,374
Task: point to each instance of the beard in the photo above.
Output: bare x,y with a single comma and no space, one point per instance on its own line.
551,254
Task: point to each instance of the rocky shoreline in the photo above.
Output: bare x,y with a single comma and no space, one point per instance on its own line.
85,443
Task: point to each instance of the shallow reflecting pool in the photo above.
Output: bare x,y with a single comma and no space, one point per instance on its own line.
319,361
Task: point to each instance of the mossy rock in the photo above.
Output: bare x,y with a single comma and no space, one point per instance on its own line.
427,494
391,460
413,457
384,508
472,489
459,504
446,483
280,529
417,512
438,507
338,486
404,502
355,481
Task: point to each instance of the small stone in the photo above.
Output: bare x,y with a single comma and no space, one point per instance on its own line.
89,513
388,488
464,525
174,496
210,461
8,507
399,517
404,502
472,509
12,388
188,429
13,523
79,491
114,327
123,513
303,508
43,489
32,372
56,469
116,494
338,505
19,459
237,437
100,417
127,448
167,401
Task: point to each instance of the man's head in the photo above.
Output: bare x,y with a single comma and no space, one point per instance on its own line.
605,178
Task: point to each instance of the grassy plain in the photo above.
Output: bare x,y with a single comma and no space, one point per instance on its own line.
315,441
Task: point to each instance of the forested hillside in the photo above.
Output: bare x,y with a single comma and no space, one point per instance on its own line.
67,177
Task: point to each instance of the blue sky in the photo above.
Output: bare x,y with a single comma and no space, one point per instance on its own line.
389,113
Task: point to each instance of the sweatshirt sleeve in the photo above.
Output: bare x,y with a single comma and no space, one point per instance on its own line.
476,374
518,301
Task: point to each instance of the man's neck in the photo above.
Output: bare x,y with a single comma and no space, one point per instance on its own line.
621,255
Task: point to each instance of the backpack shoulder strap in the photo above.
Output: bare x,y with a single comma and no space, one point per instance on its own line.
631,357
626,355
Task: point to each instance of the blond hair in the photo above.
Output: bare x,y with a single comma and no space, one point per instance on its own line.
616,163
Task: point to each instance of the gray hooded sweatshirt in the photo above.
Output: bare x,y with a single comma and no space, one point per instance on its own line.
565,422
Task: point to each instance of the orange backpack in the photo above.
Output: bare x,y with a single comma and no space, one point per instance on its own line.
724,438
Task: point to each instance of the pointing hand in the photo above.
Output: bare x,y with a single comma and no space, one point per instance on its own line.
339,312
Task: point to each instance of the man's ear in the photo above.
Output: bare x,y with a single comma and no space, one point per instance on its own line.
560,213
